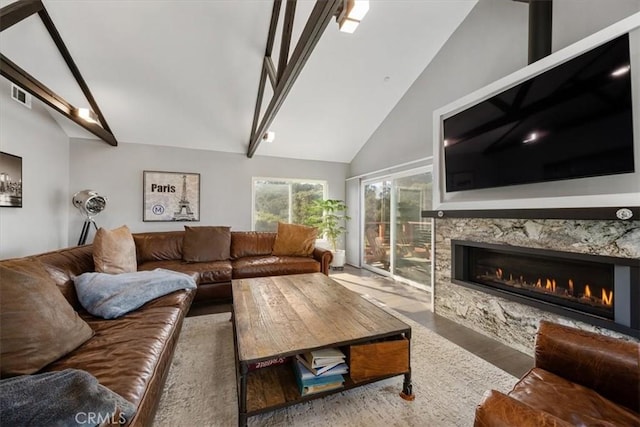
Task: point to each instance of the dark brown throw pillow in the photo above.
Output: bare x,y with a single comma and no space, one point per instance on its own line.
39,325
294,240
203,244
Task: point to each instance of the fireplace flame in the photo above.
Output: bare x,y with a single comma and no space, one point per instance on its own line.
551,285
599,297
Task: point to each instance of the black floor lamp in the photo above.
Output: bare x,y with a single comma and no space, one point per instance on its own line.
89,203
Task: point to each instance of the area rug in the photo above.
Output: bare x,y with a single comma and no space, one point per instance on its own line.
448,383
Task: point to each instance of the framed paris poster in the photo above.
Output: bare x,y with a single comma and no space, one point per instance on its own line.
171,196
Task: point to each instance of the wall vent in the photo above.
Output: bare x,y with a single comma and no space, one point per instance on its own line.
21,96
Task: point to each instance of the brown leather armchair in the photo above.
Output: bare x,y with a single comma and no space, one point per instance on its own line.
580,378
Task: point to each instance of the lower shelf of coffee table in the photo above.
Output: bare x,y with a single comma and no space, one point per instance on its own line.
275,387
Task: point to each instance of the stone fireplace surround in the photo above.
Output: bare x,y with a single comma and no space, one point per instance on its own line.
510,322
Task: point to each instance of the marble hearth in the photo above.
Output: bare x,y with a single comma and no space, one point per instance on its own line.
506,319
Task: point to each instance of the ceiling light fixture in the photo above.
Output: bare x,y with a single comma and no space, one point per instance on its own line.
87,115
351,14
269,136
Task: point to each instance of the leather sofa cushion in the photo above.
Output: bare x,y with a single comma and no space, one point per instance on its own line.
38,324
114,251
158,246
294,240
129,354
271,265
202,272
608,365
204,244
569,401
497,409
65,264
251,243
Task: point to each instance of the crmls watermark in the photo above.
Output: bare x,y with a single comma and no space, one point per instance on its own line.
97,418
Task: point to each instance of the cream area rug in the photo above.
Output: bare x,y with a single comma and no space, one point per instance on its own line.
448,382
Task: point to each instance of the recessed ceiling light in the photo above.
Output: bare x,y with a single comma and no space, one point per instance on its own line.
621,71
269,136
531,137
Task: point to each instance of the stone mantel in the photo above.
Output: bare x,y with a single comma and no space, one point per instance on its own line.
510,322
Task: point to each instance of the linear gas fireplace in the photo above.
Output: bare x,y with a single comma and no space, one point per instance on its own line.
600,290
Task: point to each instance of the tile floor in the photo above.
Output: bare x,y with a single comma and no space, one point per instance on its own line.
414,303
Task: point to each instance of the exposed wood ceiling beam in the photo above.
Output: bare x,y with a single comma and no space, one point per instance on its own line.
271,72
23,79
57,39
18,11
321,15
287,29
275,12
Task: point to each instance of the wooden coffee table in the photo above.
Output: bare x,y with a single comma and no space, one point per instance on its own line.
281,316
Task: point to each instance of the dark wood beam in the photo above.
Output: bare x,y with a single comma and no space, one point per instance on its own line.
275,13
17,11
271,72
322,13
17,75
285,43
57,39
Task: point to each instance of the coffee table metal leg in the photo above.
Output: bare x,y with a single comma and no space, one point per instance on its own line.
242,410
407,387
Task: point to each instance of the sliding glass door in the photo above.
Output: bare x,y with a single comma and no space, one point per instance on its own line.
396,239
412,248
377,221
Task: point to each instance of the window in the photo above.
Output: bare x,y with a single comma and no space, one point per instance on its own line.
284,200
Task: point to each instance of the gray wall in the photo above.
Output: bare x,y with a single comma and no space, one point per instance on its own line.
225,181
577,19
489,44
42,223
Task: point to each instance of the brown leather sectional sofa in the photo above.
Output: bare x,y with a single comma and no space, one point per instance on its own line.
580,378
250,257
131,355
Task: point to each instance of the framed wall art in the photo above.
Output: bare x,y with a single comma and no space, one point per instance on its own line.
10,180
171,196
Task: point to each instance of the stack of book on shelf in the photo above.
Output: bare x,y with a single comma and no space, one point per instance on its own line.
320,370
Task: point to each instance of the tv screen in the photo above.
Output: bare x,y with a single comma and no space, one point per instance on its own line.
572,121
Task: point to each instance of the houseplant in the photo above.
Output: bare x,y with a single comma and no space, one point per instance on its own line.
329,216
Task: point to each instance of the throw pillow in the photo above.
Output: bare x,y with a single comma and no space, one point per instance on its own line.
204,244
114,251
38,324
294,240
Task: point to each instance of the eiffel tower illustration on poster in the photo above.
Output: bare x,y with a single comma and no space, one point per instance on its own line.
184,212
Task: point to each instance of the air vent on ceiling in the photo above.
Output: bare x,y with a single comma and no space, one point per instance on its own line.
20,95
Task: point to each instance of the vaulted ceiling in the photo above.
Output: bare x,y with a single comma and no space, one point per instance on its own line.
186,73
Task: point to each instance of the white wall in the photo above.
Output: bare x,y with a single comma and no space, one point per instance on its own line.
225,181
42,222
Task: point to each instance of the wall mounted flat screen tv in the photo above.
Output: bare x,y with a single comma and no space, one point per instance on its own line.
572,121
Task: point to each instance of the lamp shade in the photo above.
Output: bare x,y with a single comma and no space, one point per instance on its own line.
89,202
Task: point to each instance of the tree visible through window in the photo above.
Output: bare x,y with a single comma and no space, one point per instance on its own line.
284,200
